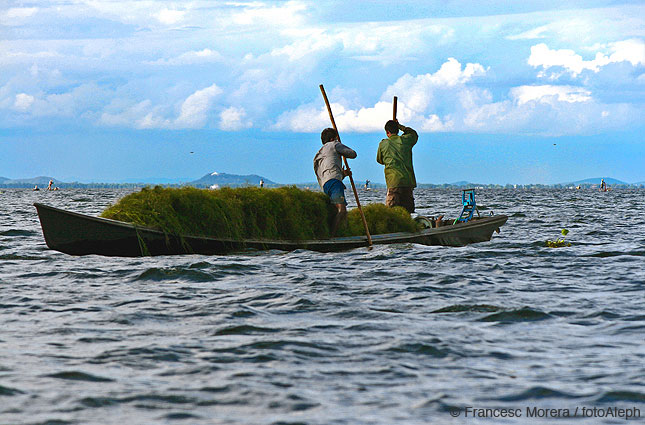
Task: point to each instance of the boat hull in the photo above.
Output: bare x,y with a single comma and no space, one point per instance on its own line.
79,234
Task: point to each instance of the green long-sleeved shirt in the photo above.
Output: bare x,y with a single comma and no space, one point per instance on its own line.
395,153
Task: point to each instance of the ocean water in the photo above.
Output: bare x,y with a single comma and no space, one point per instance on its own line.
401,334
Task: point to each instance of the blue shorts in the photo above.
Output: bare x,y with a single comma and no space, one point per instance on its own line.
335,189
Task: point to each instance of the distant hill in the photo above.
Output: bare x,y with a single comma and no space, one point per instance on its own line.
224,179
464,184
215,178
40,181
596,180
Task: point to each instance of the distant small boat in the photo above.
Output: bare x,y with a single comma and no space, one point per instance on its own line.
80,234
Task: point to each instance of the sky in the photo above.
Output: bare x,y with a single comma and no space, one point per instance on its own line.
500,92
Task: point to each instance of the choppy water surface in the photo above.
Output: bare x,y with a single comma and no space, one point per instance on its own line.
399,334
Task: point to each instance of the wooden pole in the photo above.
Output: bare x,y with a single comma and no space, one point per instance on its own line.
394,108
351,179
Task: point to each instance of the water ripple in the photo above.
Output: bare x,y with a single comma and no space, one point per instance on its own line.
520,315
75,375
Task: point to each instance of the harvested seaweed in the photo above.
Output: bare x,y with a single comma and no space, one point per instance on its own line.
286,213
380,219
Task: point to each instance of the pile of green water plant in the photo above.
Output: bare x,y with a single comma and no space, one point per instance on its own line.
560,242
239,213
380,219
286,213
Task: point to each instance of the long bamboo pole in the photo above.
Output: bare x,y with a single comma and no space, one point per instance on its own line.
351,179
394,108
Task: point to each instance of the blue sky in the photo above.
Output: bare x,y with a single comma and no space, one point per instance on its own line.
533,92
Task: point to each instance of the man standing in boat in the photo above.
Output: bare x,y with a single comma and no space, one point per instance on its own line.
395,153
330,172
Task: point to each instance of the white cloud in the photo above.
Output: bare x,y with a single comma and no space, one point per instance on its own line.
312,118
363,120
73,103
386,44
9,57
16,16
416,95
192,57
542,56
433,124
310,45
267,54
233,119
126,117
305,119
577,27
531,34
20,12
194,110
449,100
549,94
419,91
571,29
141,115
169,16
152,121
136,12
23,101
555,118
257,13
632,51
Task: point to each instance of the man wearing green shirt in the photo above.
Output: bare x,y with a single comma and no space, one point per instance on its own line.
395,153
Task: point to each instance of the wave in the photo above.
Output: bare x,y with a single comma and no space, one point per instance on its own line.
607,254
140,356
299,347
519,315
459,308
245,330
628,396
156,274
21,257
181,416
538,393
197,272
18,232
88,340
75,375
421,349
97,402
8,391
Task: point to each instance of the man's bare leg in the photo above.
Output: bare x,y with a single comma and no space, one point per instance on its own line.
341,215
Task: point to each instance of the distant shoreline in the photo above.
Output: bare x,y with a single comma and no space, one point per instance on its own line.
315,186
216,180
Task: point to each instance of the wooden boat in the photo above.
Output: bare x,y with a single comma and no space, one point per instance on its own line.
80,234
